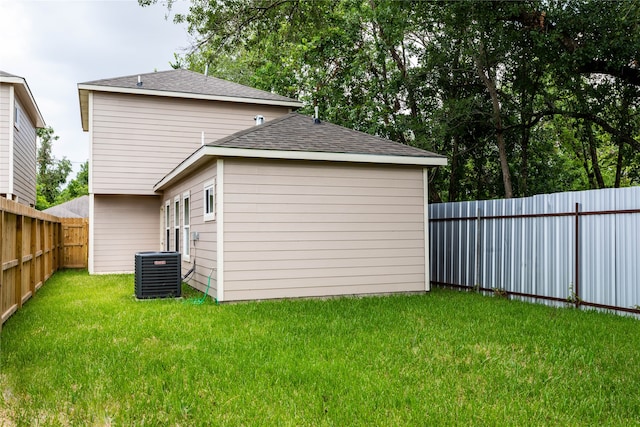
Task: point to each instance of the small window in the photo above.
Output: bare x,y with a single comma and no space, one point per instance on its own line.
16,116
210,201
176,223
186,221
167,225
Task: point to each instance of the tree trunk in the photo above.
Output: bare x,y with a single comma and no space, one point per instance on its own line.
453,176
594,155
619,166
497,119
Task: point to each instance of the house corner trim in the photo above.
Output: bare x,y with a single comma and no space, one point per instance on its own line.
220,229
12,133
427,263
91,233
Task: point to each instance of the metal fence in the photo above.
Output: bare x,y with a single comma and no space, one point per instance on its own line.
578,247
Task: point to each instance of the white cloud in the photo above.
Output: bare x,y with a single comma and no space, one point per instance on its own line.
57,44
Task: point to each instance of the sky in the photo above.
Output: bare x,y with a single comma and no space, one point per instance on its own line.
57,44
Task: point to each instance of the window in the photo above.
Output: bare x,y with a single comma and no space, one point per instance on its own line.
16,115
167,225
176,223
210,201
186,220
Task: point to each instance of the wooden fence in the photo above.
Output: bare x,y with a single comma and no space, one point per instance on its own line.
34,245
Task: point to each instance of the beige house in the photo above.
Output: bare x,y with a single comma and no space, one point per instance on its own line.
19,118
288,208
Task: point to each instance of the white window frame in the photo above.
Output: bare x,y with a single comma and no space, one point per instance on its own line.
186,226
167,225
209,194
176,223
16,115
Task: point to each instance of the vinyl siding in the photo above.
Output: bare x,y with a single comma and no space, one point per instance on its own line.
203,251
4,138
138,139
298,229
24,154
123,226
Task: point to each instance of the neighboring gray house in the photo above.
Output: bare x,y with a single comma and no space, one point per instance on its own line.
289,208
19,118
76,208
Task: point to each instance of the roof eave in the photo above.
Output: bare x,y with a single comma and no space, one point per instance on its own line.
171,94
24,92
83,96
215,151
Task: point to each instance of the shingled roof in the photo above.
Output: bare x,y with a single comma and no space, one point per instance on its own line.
297,137
24,92
5,74
188,82
296,132
180,84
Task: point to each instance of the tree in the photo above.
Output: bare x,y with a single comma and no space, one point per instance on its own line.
79,186
51,172
523,97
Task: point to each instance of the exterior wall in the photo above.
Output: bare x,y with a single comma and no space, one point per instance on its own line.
5,122
137,139
203,251
298,229
122,226
24,155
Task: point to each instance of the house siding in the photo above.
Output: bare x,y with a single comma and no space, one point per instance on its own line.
203,251
298,229
123,226
24,154
138,139
4,138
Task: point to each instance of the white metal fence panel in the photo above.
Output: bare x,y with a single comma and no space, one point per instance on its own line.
581,246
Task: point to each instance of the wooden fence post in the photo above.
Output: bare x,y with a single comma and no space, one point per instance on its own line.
32,250
18,255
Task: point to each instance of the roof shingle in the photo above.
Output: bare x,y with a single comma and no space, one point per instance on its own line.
188,82
296,132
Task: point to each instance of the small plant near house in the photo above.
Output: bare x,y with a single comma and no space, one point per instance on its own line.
500,292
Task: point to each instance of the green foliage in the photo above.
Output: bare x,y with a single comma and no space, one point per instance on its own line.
79,186
51,172
493,85
83,351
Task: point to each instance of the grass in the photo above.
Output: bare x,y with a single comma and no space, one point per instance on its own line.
83,351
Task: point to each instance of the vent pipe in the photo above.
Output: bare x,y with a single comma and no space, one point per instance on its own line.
316,120
139,81
206,70
259,120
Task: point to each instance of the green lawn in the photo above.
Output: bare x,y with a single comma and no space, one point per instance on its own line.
83,351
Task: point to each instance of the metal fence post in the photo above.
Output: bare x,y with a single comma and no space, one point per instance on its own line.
477,257
576,297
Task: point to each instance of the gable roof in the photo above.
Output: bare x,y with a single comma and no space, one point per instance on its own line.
180,84
24,93
298,137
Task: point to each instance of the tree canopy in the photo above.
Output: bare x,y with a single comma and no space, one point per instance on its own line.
523,97
52,174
